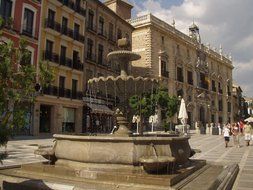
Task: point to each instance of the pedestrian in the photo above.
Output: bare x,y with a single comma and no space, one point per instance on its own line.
235,133
219,127
241,126
226,134
247,133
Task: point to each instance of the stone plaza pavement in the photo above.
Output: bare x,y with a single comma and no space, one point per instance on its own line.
212,149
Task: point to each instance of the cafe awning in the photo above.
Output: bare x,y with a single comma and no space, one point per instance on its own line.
100,108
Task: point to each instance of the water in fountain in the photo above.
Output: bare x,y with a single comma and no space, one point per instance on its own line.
123,86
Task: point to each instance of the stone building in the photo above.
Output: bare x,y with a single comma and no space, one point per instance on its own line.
249,102
104,26
60,107
199,74
22,21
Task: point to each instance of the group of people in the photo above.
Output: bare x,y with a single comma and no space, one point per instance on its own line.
235,130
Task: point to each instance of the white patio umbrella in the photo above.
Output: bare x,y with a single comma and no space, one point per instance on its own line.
182,115
250,119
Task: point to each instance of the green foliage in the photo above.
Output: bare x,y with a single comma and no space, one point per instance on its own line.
143,105
47,74
17,82
146,104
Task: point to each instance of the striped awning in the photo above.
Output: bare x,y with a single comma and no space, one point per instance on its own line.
100,108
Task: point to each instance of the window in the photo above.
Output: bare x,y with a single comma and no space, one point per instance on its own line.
180,77
61,86
229,106
90,19
220,105
62,82
100,54
162,40
51,18
63,55
64,25
203,81
220,88
76,31
75,57
49,50
189,77
164,71
28,22
5,8
101,26
89,48
213,86
68,124
110,31
119,35
74,88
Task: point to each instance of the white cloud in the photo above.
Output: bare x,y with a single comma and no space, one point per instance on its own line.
221,22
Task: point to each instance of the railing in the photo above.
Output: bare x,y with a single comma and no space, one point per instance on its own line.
91,57
102,33
180,78
165,74
28,31
111,38
91,27
64,61
62,92
64,30
190,81
77,8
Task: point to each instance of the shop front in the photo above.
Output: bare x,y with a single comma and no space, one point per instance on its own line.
98,117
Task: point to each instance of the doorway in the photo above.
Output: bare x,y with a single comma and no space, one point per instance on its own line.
45,119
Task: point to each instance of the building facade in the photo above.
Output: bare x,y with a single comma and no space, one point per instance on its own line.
199,74
103,29
22,21
59,108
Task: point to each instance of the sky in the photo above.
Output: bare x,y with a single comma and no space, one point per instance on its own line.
222,22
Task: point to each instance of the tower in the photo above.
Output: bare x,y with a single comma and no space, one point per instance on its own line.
194,32
120,7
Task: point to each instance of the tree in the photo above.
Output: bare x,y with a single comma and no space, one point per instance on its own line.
146,104
17,85
168,104
143,105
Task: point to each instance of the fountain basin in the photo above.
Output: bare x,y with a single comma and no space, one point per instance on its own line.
119,149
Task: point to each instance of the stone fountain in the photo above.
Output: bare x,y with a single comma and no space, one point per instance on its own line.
118,161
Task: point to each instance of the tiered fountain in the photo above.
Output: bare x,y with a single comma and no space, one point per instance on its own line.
117,161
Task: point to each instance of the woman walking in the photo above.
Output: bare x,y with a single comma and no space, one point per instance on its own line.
247,133
226,135
235,132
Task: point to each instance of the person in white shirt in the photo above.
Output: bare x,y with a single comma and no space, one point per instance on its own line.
226,135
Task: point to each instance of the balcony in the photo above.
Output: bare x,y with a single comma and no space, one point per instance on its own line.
180,78
64,61
165,74
203,85
28,31
91,27
102,33
75,7
102,62
91,57
62,92
111,38
64,30
190,81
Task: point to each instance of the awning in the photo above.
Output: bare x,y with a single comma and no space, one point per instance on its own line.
100,108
